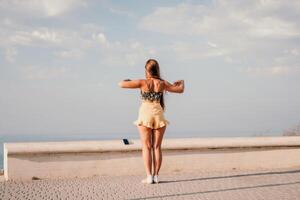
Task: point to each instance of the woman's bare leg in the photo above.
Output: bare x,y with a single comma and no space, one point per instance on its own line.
157,154
145,134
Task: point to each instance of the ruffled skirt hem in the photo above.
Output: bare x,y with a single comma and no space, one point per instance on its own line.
150,125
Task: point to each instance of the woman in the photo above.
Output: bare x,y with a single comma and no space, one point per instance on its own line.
151,122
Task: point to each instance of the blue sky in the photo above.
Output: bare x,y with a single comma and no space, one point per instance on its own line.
60,62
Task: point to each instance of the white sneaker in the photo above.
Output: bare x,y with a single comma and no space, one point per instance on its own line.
148,180
155,179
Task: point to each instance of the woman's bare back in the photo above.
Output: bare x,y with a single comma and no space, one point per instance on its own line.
152,84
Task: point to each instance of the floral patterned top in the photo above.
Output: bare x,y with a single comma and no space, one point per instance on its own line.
151,96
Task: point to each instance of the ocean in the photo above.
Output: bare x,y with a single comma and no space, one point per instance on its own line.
76,137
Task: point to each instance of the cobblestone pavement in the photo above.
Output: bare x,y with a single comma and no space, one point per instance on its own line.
280,184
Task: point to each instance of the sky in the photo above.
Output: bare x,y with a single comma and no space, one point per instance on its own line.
61,61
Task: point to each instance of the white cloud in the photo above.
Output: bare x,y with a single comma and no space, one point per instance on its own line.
57,7
253,18
272,71
16,34
10,54
228,59
45,35
12,33
293,51
270,27
38,36
73,53
67,43
127,53
182,19
43,72
101,38
19,38
252,31
211,44
48,8
118,53
196,50
121,12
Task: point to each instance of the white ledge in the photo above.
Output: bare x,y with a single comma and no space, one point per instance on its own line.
169,143
65,159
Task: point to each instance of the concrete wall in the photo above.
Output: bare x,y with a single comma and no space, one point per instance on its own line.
47,160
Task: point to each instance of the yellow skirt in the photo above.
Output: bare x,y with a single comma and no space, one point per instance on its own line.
151,115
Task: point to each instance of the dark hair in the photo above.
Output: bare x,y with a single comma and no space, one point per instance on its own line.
152,67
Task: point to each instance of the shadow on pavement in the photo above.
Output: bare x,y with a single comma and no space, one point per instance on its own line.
226,189
233,176
219,190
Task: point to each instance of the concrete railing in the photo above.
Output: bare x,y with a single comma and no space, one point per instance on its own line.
112,157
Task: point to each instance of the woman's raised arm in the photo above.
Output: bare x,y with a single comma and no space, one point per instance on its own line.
130,83
176,87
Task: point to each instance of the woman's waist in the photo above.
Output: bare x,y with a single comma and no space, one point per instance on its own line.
150,102
151,106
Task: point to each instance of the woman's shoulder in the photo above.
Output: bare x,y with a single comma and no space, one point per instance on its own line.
166,82
156,80
160,81
142,81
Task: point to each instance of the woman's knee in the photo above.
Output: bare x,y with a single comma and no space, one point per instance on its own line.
147,145
158,137
157,146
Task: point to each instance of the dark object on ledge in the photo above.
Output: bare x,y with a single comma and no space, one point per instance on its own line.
126,142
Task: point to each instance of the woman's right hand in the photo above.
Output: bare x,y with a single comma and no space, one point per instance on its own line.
179,82
177,86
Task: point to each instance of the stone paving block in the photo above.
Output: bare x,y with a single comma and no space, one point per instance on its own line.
280,184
